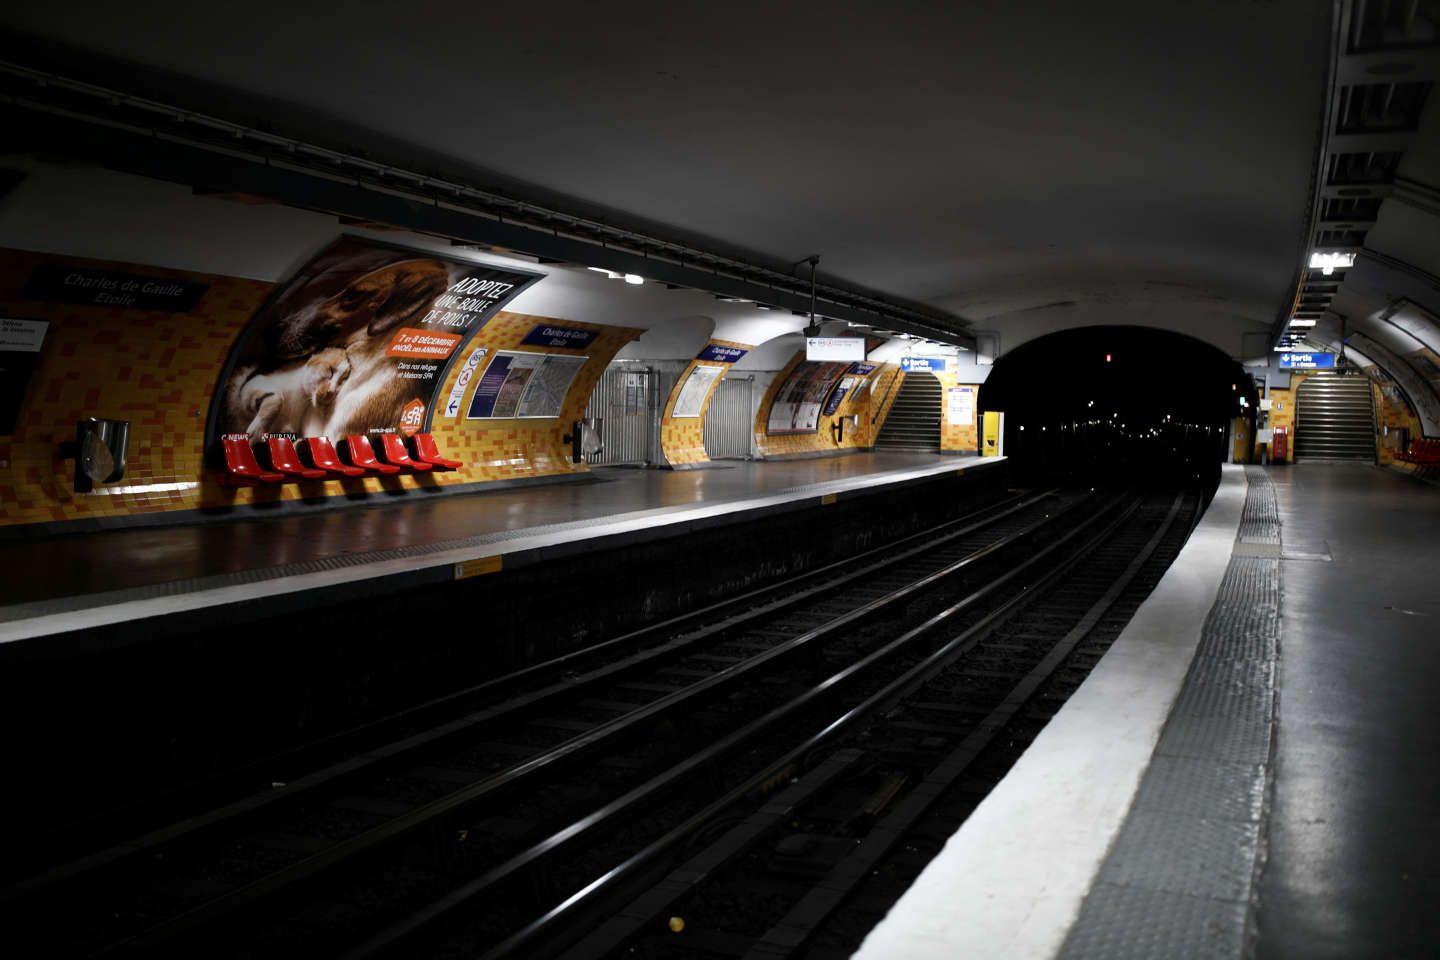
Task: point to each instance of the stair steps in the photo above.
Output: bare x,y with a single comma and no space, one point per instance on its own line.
913,423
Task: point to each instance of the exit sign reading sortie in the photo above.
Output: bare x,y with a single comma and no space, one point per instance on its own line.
1307,361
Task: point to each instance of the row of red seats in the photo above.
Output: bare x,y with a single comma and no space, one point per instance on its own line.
361,458
1424,453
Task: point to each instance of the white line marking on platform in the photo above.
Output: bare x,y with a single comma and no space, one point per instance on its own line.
1009,883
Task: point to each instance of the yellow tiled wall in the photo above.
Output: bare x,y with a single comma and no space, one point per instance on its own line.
158,369
860,403
959,437
682,439
1282,414
1395,415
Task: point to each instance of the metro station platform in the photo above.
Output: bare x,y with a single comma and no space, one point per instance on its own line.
73,582
1252,768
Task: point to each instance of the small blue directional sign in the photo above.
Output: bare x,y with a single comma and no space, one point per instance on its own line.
922,364
1307,361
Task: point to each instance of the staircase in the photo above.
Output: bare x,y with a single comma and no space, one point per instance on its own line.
1335,418
914,419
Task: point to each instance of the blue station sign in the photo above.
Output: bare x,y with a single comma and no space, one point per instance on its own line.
547,335
922,364
1307,361
716,353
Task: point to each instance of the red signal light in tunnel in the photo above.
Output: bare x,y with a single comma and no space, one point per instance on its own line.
1107,358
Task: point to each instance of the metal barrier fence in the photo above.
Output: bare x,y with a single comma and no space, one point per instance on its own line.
625,412
729,423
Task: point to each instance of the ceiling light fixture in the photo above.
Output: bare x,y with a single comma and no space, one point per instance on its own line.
1327,263
634,278
1303,323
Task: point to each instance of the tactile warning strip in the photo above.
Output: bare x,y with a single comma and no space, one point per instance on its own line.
1179,880
1260,521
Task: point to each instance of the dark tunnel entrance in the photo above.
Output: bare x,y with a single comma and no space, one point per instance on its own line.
1118,403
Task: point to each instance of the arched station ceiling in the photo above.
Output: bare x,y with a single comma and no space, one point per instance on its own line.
1018,167
1378,199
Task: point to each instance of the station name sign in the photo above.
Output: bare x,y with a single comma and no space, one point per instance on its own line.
1307,361
716,353
548,335
922,364
61,283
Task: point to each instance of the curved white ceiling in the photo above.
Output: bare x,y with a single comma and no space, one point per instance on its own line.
1000,160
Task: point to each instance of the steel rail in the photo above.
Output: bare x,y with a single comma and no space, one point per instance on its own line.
647,793
826,896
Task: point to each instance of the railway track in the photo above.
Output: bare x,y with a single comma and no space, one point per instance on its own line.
480,791
857,799
865,818
24,852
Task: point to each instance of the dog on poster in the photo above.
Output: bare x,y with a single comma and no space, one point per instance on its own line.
322,368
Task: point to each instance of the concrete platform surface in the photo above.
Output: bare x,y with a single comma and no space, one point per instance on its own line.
1288,809
91,579
1353,868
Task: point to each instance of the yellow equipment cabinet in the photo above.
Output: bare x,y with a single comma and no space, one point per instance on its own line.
992,439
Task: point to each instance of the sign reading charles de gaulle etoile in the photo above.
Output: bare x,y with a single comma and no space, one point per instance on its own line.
550,335
63,283
718,353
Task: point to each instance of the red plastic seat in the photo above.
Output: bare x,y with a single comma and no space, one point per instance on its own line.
392,448
322,454
427,452
1424,450
363,455
241,465
285,458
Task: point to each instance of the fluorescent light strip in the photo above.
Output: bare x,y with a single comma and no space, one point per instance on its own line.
146,488
1327,263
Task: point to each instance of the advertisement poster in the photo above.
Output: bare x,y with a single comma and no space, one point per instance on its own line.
531,385
960,405
20,342
697,387
358,342
467,373
797,403
837,396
